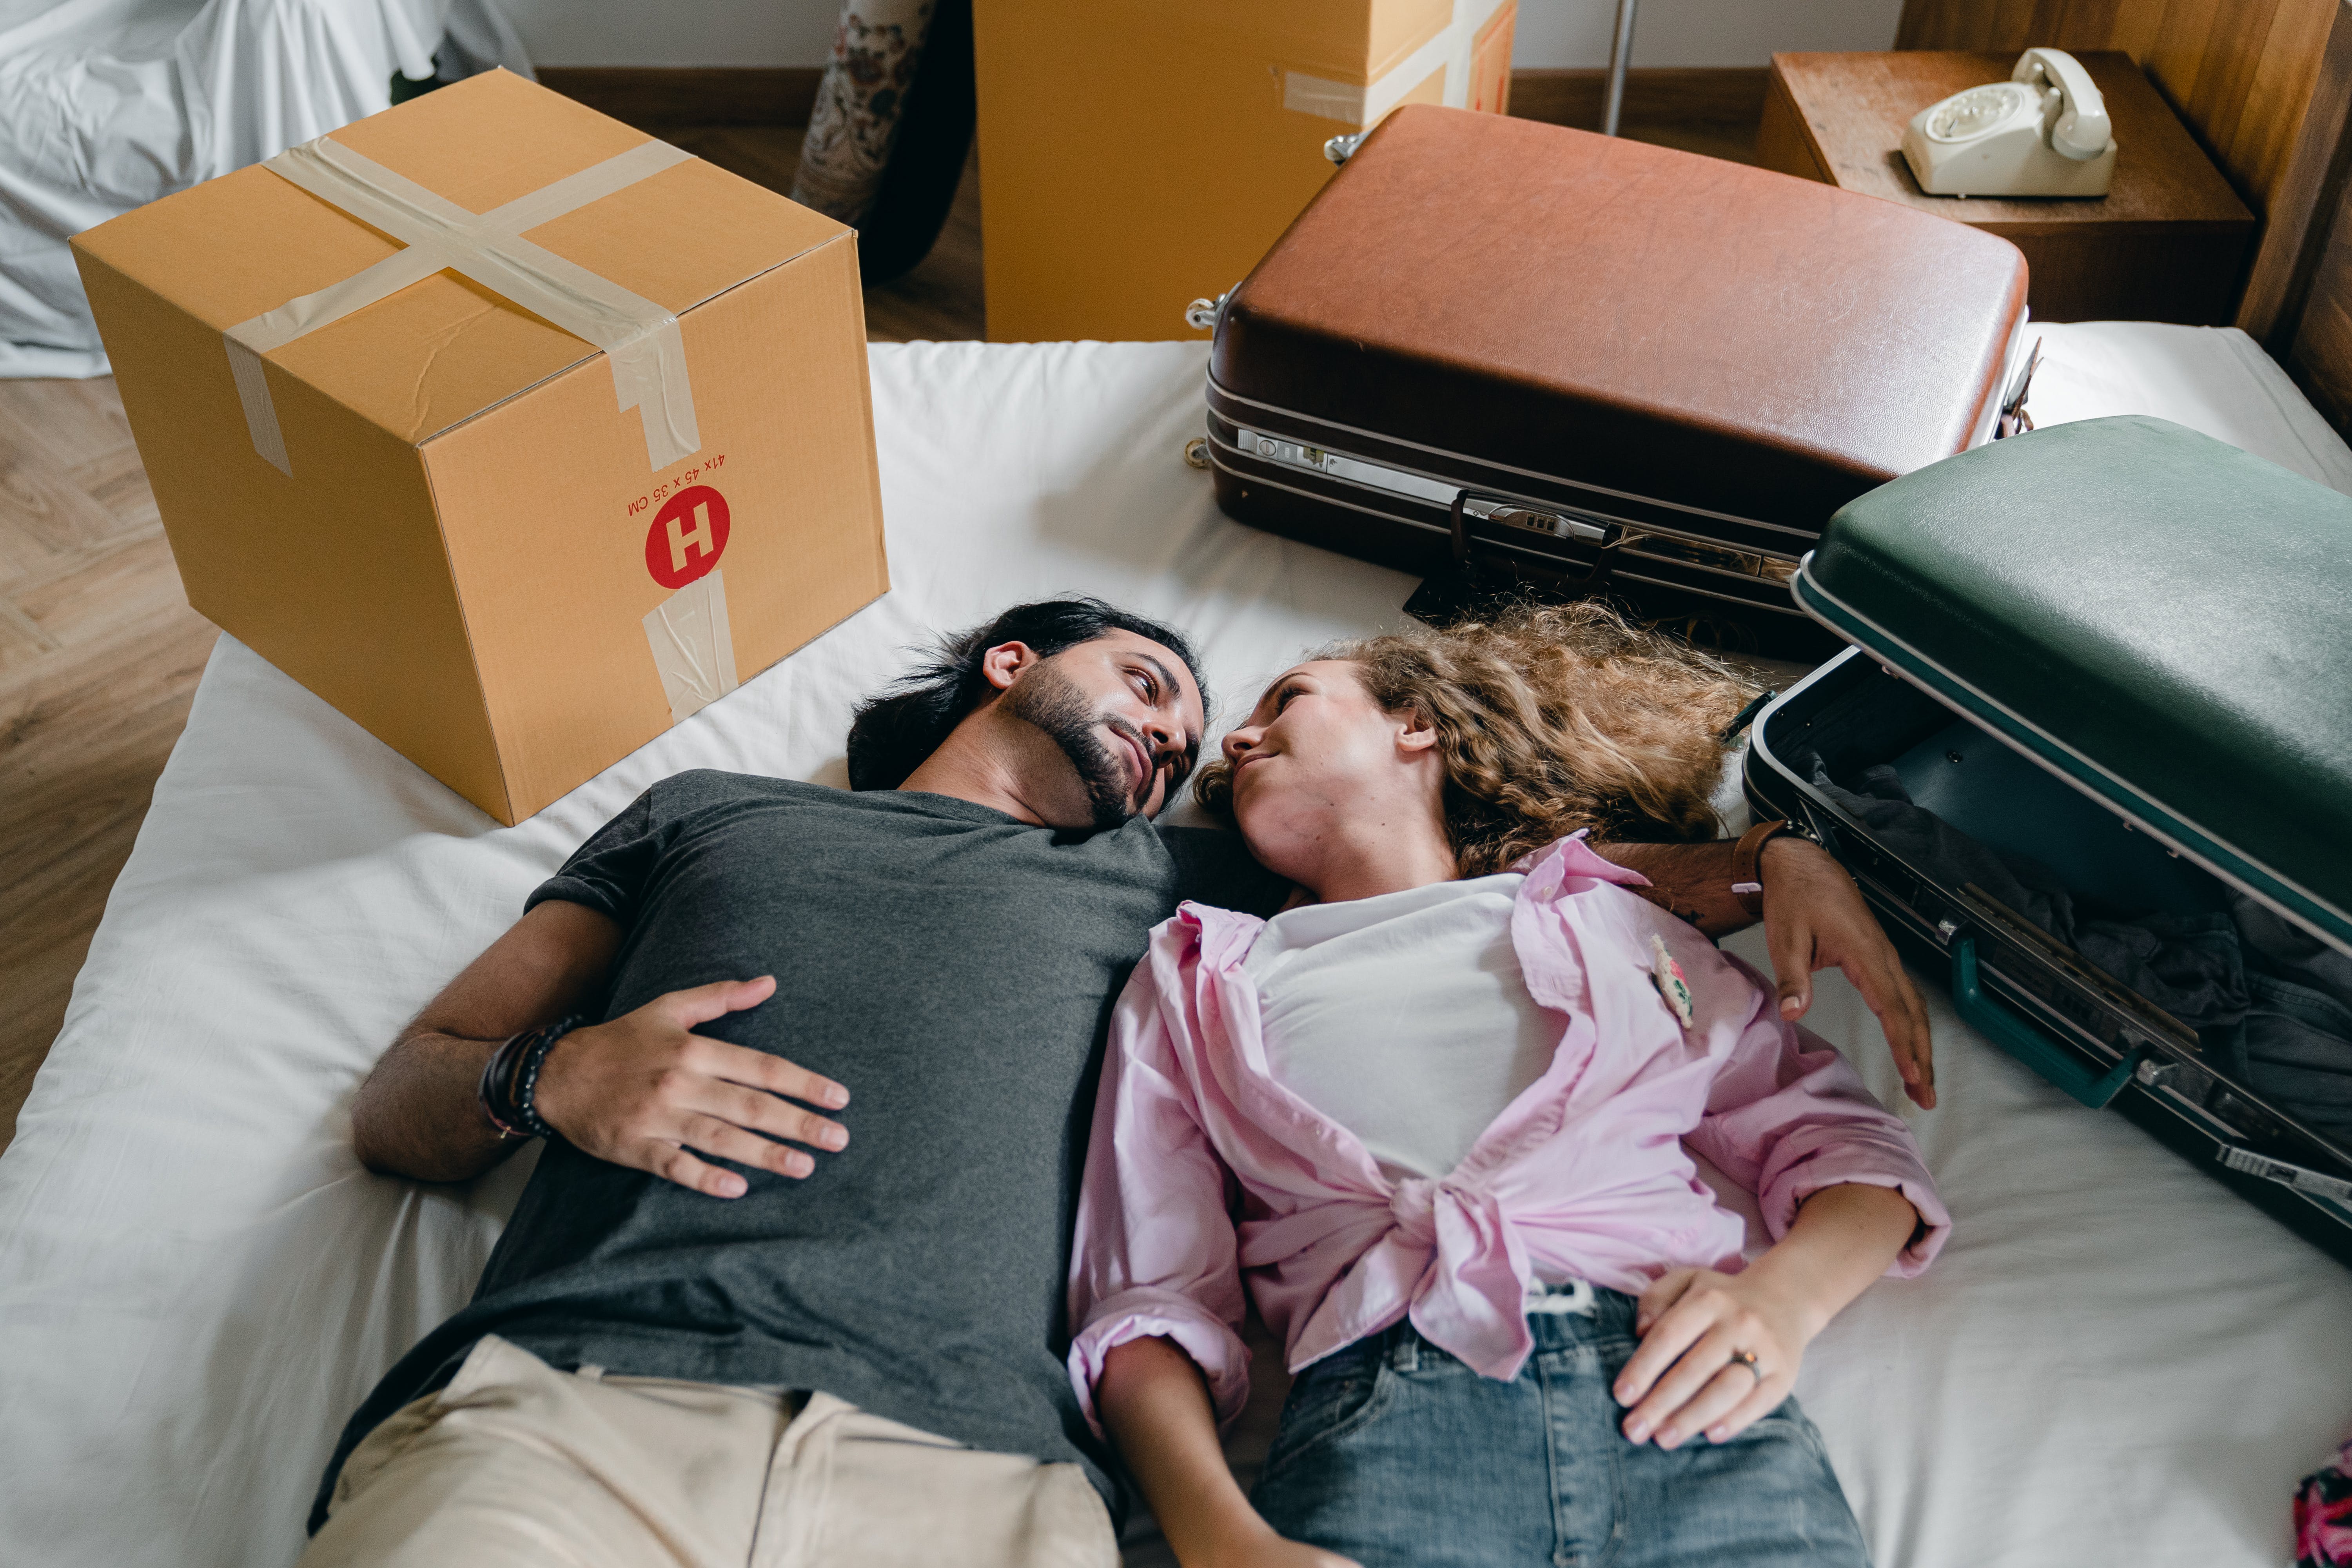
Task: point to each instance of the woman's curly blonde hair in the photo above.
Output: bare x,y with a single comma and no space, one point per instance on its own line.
1551,718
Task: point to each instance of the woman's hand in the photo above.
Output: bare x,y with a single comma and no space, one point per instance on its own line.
1694,1322
1683,1379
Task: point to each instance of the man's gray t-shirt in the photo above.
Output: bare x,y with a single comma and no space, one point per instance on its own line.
955,969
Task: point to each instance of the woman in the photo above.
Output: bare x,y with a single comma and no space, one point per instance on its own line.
1433,1114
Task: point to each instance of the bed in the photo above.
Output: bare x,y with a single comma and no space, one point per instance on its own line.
2115,1361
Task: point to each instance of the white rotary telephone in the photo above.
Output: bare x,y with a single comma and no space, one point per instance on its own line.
2042,132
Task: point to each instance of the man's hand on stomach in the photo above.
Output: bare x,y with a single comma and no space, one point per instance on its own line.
643,1091
646,1091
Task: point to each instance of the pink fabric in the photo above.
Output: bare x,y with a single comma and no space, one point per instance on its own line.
1203,1168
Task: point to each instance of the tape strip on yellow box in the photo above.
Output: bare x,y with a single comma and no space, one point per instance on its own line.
641,339
1366,104
693,647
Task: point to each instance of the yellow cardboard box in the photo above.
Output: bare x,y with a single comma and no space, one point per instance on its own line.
1137,155
515,434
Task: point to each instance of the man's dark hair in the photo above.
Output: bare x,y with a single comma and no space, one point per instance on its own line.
894,732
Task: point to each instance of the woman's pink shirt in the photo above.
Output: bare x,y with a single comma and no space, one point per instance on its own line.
1203,1168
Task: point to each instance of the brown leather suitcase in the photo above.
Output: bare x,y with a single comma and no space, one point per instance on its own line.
1506,354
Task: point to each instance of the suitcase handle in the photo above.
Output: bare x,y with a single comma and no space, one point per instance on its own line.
2027,1043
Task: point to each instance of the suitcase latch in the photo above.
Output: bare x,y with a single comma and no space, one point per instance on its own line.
1534,519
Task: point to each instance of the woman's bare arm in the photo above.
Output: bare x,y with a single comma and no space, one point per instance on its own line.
1155,1406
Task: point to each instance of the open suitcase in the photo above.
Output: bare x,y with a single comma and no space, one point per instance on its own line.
1513,354
2096,738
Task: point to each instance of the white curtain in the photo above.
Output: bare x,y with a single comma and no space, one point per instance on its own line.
106,105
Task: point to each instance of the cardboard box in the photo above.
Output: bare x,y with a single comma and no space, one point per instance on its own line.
1138,154
384,462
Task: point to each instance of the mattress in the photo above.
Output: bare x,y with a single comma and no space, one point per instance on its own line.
2114,1361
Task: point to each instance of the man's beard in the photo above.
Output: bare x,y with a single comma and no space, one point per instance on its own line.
1054,703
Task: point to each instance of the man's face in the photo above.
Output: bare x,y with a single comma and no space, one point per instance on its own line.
1124,715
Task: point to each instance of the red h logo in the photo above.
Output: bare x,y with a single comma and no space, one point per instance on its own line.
687,537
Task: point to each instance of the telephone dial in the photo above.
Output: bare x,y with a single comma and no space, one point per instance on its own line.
2043,133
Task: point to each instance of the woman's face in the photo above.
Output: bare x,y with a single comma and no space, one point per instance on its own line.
1317,750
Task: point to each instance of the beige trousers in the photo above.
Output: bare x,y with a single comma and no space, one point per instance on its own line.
516,1463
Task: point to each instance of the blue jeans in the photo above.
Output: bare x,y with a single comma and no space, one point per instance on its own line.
1399,1456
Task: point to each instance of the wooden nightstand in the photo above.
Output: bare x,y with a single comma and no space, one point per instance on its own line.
2169,242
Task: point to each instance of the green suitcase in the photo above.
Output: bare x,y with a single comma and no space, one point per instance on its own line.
2093,747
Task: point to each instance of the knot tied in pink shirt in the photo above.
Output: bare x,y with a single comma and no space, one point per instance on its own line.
1204,1168
1476,1294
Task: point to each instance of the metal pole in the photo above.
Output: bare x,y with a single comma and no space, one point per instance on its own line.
1620,50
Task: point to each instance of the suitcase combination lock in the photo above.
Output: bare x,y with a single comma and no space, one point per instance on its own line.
1510,514
1518,514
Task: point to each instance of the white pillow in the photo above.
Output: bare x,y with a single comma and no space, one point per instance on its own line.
2215,380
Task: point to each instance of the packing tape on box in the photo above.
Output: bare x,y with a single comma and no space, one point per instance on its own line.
693,648
641,339
1365,104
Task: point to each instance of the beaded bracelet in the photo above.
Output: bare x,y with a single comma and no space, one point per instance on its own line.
509,1087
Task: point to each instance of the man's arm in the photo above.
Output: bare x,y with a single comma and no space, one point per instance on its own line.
417,1114
1814,917
1690,880
643,1091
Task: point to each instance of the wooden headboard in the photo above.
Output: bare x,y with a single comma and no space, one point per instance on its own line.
2266,85
2298,302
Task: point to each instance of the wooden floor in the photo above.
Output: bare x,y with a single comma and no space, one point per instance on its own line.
100,652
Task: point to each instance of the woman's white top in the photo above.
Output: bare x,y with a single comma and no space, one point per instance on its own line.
1403,1018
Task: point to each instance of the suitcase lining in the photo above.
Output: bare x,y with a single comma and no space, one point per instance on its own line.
1854,717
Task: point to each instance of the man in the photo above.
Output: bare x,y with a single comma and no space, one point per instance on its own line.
739,1317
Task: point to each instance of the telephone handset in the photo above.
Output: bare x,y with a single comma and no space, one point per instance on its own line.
2043,133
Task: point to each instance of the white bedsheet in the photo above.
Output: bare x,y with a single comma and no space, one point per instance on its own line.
2115,1361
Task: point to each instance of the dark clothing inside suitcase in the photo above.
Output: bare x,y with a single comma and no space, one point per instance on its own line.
2294,1044
2187,964
2272,1005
